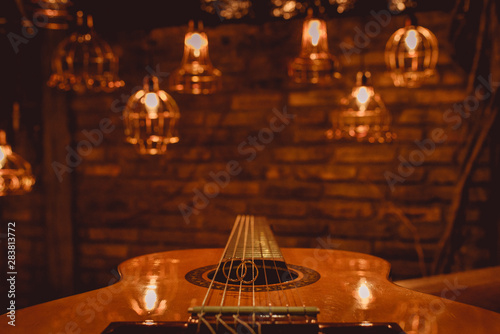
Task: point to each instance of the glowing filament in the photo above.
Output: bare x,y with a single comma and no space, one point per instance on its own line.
152,102
411,40
363,96
313,31
150,298
196,41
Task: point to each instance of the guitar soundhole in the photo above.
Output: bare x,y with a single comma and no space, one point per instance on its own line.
262,275
259,272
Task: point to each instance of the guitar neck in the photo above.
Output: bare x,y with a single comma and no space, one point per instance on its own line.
251,237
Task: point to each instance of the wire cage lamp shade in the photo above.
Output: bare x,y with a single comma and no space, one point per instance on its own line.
150,118
315,64
84,62
411,55
362,116
15,172
196,75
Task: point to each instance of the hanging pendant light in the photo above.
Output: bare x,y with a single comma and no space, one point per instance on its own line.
343,5
150,119
15,172
286,8
84,62
411,54
227,9
401,5
315,64
55,12
196,75
363,115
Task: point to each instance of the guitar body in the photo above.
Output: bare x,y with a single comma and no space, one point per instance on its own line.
346,287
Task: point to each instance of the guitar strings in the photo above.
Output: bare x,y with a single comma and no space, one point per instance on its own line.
209,291
230,267
243,261
279,278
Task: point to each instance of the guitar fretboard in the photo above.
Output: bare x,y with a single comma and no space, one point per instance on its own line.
252,237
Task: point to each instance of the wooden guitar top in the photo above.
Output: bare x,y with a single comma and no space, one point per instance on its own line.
345,286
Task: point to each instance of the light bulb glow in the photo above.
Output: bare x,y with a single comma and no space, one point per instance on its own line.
150,298
151,101
411,40
362,95
364,292
196,41
3,158
313,31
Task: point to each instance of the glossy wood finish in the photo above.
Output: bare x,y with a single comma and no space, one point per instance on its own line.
352,288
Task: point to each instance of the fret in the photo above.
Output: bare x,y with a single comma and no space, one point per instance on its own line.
263,246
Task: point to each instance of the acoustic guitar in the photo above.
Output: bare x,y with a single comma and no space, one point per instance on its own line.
248,287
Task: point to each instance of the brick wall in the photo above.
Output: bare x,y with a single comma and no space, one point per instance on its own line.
315,193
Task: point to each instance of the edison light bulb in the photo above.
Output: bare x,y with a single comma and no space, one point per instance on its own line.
196,41
411,40
313,31
363,95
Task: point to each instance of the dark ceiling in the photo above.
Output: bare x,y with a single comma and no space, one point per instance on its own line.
121,15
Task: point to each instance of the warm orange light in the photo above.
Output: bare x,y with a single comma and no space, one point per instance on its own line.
411,40
314,31
362,96
315,64
411,55
364,292
196,75
150,298
196,41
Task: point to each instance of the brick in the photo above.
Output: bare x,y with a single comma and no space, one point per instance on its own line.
360,246
309,135
102,170
478,194
408,133
355,191
301,154
116,234
239,188
442,175
422,214
401,250
325,172
421,116
420,193
344,209
254,100
308,116
105,250
278,172
313,98
361,229
293,190
378,173
307,226
365,153
243,118
281,208
472,215
426,231
481,175
441,154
